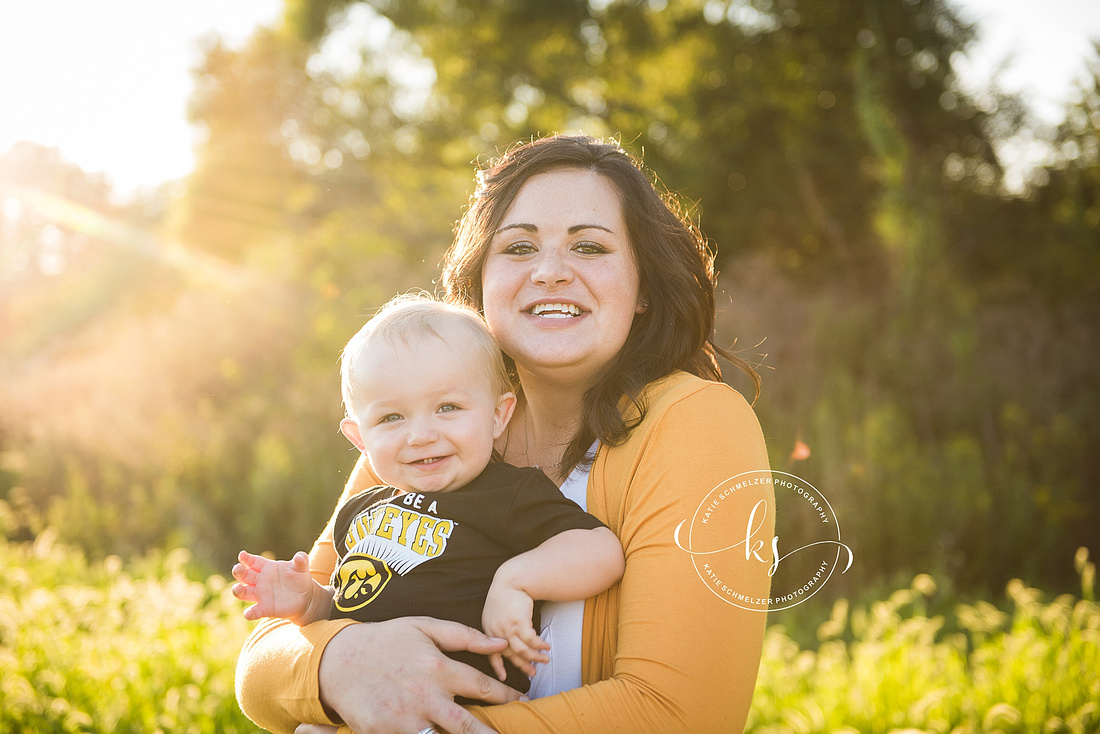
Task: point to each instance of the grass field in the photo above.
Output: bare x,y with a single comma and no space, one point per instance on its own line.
95,648
98,648
890,668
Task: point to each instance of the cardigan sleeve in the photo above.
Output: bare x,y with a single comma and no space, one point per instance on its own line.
663,652
277,671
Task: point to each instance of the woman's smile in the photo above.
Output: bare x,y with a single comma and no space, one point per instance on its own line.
555,310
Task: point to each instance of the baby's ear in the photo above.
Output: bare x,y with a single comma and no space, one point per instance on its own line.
506,405
350,428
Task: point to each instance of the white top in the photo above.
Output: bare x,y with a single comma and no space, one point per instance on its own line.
561,620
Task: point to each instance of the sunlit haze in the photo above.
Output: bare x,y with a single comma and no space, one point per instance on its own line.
107,83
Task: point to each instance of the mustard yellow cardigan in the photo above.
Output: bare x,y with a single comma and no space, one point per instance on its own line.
661,651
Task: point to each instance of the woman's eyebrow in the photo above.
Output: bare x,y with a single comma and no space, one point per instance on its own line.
578,227
532,228
518,225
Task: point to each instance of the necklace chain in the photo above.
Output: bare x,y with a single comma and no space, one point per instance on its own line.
527,439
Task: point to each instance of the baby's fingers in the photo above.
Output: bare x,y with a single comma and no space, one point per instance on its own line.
245,575
245,592
249,559
528,656
533,640
253,613
519,660
300,562
248,593
523,656
496,660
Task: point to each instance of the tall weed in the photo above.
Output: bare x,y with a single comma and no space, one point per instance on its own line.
96,648
1033,669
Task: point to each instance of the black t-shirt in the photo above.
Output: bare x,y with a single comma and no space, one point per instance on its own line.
435,554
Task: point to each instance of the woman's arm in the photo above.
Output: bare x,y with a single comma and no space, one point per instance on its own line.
677,658
285,671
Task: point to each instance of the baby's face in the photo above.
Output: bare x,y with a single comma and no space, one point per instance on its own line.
429,414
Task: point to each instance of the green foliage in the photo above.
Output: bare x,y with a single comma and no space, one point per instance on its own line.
956,446
99,647
96,648
244,193
888,667
785,122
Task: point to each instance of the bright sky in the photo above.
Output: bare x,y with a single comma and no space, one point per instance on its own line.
107,82
1045,45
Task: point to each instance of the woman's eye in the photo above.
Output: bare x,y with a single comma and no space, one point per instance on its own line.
589,248
519,248
448,408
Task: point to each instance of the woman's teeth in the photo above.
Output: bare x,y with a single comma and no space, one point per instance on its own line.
556,310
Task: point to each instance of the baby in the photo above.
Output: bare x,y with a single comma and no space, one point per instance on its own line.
453,535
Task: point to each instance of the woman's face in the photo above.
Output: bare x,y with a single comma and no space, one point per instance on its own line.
560,284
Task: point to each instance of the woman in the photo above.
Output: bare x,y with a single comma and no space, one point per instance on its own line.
601,295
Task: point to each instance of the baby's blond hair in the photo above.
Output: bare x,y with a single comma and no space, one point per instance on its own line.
418,315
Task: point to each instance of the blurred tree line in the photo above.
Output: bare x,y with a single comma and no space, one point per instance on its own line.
929,335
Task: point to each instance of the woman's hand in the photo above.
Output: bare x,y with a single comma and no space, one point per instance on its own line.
390,676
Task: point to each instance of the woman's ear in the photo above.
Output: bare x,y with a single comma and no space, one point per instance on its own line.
350,428
506,405
643,305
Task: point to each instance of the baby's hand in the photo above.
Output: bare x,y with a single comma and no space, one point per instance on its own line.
278,588
507,615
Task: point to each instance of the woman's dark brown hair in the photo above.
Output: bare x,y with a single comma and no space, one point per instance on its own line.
675,268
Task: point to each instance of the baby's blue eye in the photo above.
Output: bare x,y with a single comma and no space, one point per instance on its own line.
448,408
390,418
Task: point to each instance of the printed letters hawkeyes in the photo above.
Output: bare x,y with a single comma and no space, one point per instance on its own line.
386,539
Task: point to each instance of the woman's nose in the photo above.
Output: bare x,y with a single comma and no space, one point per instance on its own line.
551,268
